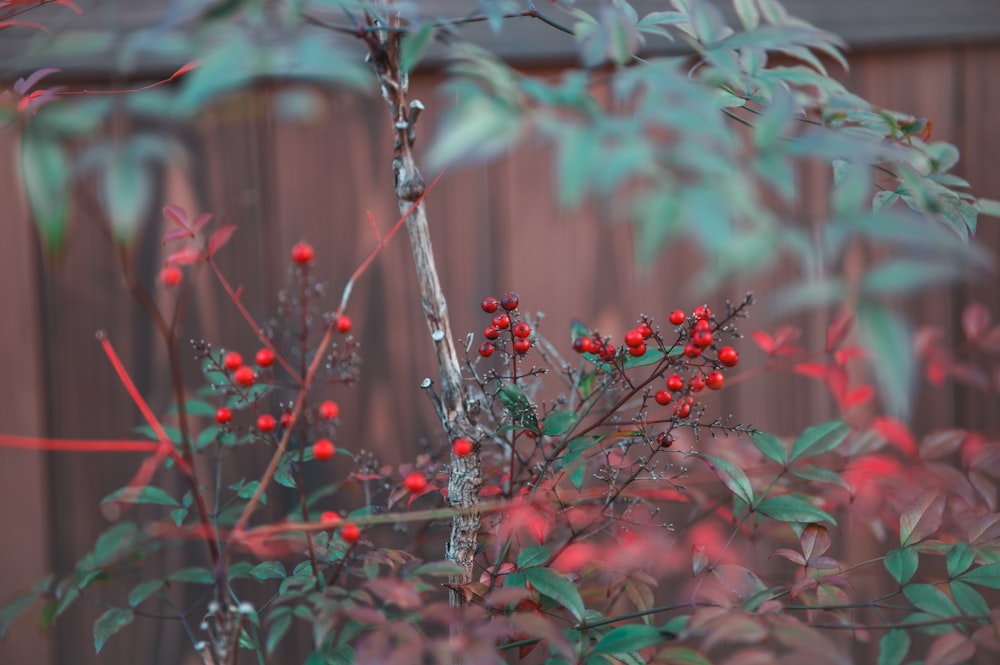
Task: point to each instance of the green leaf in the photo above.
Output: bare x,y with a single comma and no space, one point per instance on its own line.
147,494
893,646
127,192
987,576
888,341
770,446
519,406
559,422
632,637
960,556
279,626
902,563
269,570
790,508
748,13
111,544
820,474
231,64
819,439
45,176
178,515
928,598
535,555
110,623
17,605
143,590
731,476
480,129
439,569
550,583
901,276
414,44
773,122
988,207
970,600
194,575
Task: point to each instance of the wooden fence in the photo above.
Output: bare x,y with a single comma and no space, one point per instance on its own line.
495,228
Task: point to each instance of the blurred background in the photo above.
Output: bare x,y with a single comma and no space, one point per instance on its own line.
285,162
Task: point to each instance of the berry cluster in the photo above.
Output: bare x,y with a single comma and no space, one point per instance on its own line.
505,324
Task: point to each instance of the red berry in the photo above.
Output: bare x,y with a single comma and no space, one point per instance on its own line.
634,338
329,517
171,276
701,324
702,312
522,329
696,383
323,449
350,533
677,317
264,358
491,332
608,352
702,338
637,351
223,416
343,324
287,420
581,345
692,351
715,380
675,383
728,356
329,410
461,447
521,345
302,253
486,349
232,361
501,321
415,482
645,331
244,376
266,423
509,301
663,397
682,410
490,304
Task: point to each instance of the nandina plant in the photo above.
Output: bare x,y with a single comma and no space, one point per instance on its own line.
599,507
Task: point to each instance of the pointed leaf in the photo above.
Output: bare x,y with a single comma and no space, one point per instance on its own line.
950,649
971,601
550,583
893,646
770,446
819,439
110,623
928,598
45,176
887,338
987,576
731,476
559,422
902,563
960,556
921,518
220,238
143,590
535,555
790,508
633,637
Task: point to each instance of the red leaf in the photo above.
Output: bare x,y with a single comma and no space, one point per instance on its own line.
201,221
23,85
184,70
70,4
815,540
842,356
975,319
177,215
219,238
921,519
174,234
764,341
950,649
858,396
183,256
838,329
791,555
784,336
897,434
815,370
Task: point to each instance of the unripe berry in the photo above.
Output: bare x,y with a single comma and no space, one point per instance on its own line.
715,380
491,332
509,301
675,383
637,351
677,317
702,312
329,517
702,338
415,482
302,253
490,304
663,397
696,383
244,376
522,329
350,533
664,440
264,358
343,324
521,345
223,416
266,423
501,321
633,338
462,447
728,356
171,276
486,349
692,350
232,361
329,410
323,449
